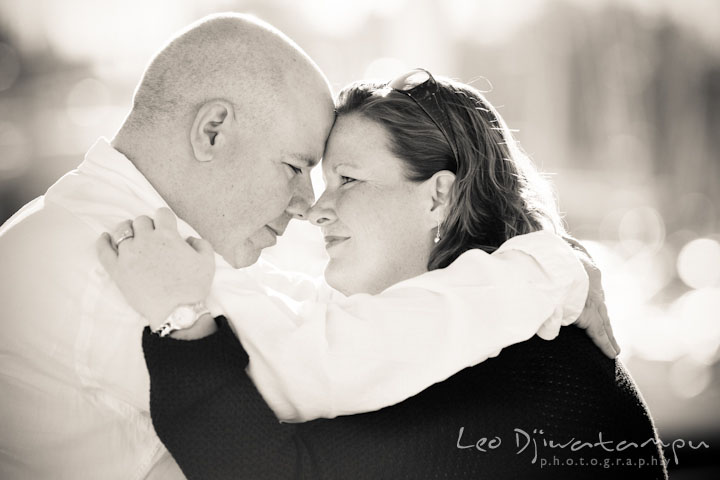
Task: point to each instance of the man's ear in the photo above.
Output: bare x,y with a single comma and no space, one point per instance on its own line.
209,129
440,186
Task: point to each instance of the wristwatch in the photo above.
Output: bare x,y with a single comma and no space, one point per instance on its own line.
182,317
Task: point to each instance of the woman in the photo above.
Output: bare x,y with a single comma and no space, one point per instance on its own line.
418,172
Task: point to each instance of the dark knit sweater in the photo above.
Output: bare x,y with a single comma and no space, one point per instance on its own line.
216,425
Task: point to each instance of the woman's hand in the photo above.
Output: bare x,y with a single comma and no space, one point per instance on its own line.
594,317
156,269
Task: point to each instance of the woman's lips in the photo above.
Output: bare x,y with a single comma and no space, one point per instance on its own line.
333,241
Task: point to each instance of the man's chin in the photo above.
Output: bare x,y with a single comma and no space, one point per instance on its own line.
244,257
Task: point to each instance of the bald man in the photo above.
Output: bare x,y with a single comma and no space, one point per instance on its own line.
258,111
226,123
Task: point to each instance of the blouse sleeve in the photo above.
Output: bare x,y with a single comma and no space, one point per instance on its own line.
360,353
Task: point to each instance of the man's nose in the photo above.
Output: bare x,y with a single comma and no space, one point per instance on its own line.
303,197
323,212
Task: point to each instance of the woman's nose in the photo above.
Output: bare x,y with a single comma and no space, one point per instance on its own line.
323,212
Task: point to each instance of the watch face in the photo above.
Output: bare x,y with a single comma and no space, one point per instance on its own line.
184,316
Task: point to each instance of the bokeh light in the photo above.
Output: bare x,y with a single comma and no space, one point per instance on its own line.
689,378
88,102
699,263
649,332
641,228
698,314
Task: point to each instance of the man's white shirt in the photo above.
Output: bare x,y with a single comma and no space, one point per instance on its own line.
75,390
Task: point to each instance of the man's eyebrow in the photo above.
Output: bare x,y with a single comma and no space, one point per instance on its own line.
308,160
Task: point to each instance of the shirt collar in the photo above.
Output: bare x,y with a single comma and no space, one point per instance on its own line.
104,161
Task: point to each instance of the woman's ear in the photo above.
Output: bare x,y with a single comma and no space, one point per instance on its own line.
209,129
440,186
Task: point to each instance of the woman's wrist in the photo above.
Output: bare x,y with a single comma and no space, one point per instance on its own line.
204,327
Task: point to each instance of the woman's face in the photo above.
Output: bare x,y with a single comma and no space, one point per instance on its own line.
377,225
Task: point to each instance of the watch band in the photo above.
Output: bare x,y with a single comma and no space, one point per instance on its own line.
183,317
165,329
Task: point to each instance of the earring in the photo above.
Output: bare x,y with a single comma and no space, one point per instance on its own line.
437,234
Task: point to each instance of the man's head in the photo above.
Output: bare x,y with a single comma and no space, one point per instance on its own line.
226,123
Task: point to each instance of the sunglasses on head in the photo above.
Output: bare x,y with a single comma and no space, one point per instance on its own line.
421,87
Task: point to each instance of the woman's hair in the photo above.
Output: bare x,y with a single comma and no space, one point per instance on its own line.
497,193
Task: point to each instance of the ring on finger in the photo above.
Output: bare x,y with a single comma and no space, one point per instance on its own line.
124,235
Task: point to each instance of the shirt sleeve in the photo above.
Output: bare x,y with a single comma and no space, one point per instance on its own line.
361,353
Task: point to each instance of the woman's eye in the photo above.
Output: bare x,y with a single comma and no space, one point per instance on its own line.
344,180
294,169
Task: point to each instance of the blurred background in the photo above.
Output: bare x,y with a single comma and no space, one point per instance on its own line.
619,100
